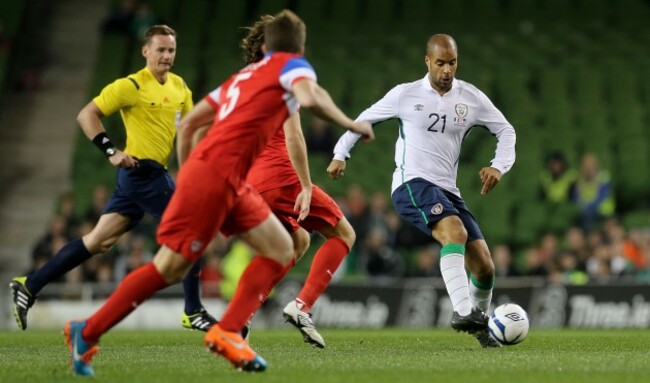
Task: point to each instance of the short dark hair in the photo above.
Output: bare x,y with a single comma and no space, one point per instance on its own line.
286,33
252,43
160,29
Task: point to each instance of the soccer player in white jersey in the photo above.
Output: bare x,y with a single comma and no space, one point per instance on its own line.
435,114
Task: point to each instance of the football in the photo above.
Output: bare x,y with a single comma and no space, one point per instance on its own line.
509,324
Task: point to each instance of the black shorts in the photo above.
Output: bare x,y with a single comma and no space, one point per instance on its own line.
145,188
422,204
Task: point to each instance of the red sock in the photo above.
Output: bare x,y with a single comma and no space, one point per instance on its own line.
138,285
253,284
278,279
326,261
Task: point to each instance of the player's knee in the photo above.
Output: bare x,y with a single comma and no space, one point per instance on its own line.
172,266
349,237
301,242
284,253
281,249
450,230
346,233
96,245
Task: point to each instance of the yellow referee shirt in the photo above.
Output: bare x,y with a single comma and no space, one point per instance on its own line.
150,112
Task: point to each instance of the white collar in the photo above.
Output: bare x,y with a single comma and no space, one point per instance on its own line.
427,85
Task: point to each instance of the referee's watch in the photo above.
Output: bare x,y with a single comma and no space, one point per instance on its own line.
110,152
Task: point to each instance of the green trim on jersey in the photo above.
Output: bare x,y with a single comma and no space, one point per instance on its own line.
452,248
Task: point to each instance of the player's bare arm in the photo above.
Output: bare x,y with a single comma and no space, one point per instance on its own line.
297,149
199,134
201,115
89,119
313,97
490,177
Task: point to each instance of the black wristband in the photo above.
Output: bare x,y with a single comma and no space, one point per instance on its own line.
104,144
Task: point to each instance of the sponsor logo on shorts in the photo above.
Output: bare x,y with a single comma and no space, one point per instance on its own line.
437,209
196,245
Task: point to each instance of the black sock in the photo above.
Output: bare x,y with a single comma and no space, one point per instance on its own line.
70,256
191,288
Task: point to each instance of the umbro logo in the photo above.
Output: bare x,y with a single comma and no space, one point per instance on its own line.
418,107
514,317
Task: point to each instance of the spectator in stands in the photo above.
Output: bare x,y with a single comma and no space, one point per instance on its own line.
233,265
100,197
357,212
44,249
565,270
503,264
637,247
136,256
378,259
320,137
557,179
548,248
377,211
105,272
119,20
628,246
576,244
593,193
426,262
598,265
67,208
211,274
407,236
72,280
535,263
143,19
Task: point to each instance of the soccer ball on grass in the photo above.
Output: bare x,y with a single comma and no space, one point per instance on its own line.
509,324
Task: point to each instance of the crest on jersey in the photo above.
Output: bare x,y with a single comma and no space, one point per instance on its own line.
437,209
461,110
418,107
461,114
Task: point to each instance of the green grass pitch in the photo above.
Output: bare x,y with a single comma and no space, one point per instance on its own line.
375,356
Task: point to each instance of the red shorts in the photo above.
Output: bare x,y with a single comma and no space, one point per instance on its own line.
322,212
204,204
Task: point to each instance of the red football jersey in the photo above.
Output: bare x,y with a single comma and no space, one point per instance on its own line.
273,168
251,106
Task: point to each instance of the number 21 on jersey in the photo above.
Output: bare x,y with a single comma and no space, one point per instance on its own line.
232,94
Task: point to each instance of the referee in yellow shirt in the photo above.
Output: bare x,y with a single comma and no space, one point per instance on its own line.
151,103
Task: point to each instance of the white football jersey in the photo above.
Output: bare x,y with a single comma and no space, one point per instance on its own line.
432,129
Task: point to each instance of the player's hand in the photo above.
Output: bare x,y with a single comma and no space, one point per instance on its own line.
122,160
490,177
336,169
303,201
364,129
